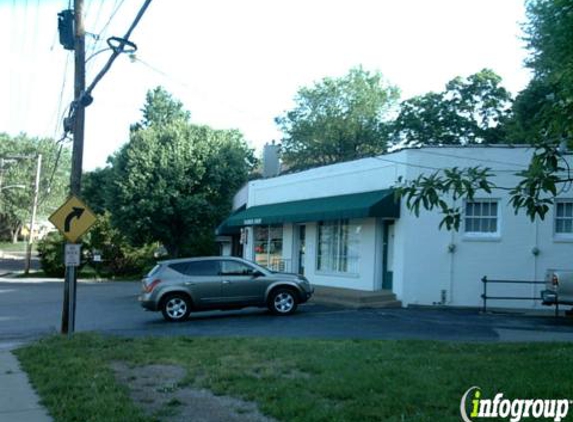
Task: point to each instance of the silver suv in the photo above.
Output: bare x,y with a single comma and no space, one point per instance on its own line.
177,287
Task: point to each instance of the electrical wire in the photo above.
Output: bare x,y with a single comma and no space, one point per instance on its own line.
137,59
101,34
123,42
113,13
54,170
482,160
96,36
59,115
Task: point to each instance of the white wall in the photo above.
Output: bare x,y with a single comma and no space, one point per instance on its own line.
423,263
364,280
241,197
364,175
424,266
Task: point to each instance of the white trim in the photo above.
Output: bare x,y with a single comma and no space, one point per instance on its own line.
561,237
482,236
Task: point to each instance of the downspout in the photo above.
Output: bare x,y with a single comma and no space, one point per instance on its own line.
535,252
452,251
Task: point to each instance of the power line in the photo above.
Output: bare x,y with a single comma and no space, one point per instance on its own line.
407,164
117,49
196,90
59,115
482,160
117,7
101,34
96,36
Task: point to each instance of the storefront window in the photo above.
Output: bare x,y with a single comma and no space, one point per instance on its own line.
269,246
338,246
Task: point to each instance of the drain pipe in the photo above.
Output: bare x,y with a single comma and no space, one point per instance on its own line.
452,251
535,252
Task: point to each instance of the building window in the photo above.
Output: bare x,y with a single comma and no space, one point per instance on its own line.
338,247
269,246
564,217
481,217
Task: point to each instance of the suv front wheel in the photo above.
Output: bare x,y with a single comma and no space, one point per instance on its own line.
283,301
176,307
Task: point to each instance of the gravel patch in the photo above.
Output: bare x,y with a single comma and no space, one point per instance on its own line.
157,390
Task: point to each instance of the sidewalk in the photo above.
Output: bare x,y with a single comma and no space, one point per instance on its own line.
18,400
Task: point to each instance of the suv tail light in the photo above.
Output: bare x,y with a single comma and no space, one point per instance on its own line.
555,280
149,287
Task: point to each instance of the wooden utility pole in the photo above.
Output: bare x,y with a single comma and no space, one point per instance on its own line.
33,216
69,307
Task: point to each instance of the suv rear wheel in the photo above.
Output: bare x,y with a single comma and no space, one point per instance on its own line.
176,307
283,301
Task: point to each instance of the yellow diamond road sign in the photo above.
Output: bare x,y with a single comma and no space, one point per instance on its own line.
73,219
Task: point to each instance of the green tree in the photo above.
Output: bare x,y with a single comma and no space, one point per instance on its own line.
527,125
470,110
543,116
173,182
96,187
161,109
548,36
18,168
338,119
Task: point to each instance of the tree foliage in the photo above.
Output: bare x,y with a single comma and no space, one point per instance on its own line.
173,182
470,110
548,35
338,119
432,191
18,168
118,256
542,116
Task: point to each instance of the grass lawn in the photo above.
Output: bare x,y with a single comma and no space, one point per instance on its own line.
14,247
300,380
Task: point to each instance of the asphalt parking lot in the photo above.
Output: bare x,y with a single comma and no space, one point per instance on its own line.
29,309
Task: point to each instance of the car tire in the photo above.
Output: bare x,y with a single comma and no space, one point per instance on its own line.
176,307
283,301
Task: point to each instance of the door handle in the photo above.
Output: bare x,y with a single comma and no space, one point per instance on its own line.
226,282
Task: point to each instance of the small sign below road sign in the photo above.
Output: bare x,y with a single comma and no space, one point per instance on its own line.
73,255
73,219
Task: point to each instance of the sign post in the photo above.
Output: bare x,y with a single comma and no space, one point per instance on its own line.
72,219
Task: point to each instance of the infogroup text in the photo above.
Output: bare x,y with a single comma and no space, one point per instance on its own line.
514,409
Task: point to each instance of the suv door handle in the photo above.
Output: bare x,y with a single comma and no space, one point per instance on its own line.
226,282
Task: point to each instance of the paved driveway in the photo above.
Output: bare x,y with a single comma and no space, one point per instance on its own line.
31,309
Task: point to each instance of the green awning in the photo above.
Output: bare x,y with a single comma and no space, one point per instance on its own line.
357,205
224,229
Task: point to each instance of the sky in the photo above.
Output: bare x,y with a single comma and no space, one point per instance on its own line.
238,64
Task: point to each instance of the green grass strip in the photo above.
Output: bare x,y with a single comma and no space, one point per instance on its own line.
300,380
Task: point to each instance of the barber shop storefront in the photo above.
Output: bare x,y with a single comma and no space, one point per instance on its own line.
335,239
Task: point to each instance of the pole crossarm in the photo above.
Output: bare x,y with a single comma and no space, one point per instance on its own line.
117,49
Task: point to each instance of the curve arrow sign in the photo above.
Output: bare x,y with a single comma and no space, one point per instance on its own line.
76,213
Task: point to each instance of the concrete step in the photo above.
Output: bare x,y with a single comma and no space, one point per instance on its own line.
355,298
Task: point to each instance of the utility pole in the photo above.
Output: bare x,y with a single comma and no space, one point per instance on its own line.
70,282
33,217
83,98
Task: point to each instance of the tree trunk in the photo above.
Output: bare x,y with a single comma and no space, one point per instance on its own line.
14,232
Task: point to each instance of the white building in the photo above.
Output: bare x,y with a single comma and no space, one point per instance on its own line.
341,227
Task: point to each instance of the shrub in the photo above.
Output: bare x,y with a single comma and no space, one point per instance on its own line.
119,258
51,252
